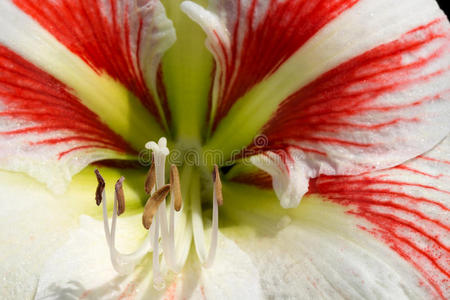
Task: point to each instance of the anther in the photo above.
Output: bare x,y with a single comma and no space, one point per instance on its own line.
151,207
175,188
120,196
100,188
150,181
217,185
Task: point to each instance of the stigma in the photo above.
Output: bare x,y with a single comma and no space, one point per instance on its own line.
160,217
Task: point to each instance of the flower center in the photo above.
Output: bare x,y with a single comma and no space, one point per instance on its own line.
162,219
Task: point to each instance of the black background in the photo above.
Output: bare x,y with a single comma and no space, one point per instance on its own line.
444,5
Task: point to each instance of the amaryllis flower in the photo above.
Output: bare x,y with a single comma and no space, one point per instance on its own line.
321,125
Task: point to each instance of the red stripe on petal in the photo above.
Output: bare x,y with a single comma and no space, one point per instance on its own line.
261,43
408,207
350,100
107,35
37,105
433,159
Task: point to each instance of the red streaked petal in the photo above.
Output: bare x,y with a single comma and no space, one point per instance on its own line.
371,92
408,208
249,42
125,39
379,235
44,130
357,29
375,111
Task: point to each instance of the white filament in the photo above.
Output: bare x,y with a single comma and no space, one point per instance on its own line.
214,232
122,263
197,223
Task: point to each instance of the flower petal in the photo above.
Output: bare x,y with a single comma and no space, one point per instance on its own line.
373,236
35,134
99,49
241,38
126,39
77,271
382,99
247,98
232,276
34,223
187,67
84,272
375,111
407,208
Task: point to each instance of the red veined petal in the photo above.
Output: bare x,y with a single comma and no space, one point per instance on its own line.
377,235
374,111
352,30
45,130
408,209
249,42
116,37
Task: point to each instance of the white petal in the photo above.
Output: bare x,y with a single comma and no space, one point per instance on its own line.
33,223
232,276
320,252
288,181
82,267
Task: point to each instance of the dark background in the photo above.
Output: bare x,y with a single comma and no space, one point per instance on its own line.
444,5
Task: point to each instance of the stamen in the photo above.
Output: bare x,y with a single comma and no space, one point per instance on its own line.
217,185
198,224
123,264
100,187
175,204
154,217
158,282
120,196
175,187
150,181
217,200
152,205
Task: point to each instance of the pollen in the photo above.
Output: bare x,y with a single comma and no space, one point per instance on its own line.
150,181
120,196
100,188
152,205
217,185
175,187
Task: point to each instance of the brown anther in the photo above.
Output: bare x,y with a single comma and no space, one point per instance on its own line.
120,196
175,187
150,181
151,207
100,188
217,185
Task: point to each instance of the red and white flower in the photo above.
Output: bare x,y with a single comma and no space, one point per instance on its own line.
338,108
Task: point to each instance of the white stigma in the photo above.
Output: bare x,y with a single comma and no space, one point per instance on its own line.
162,222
